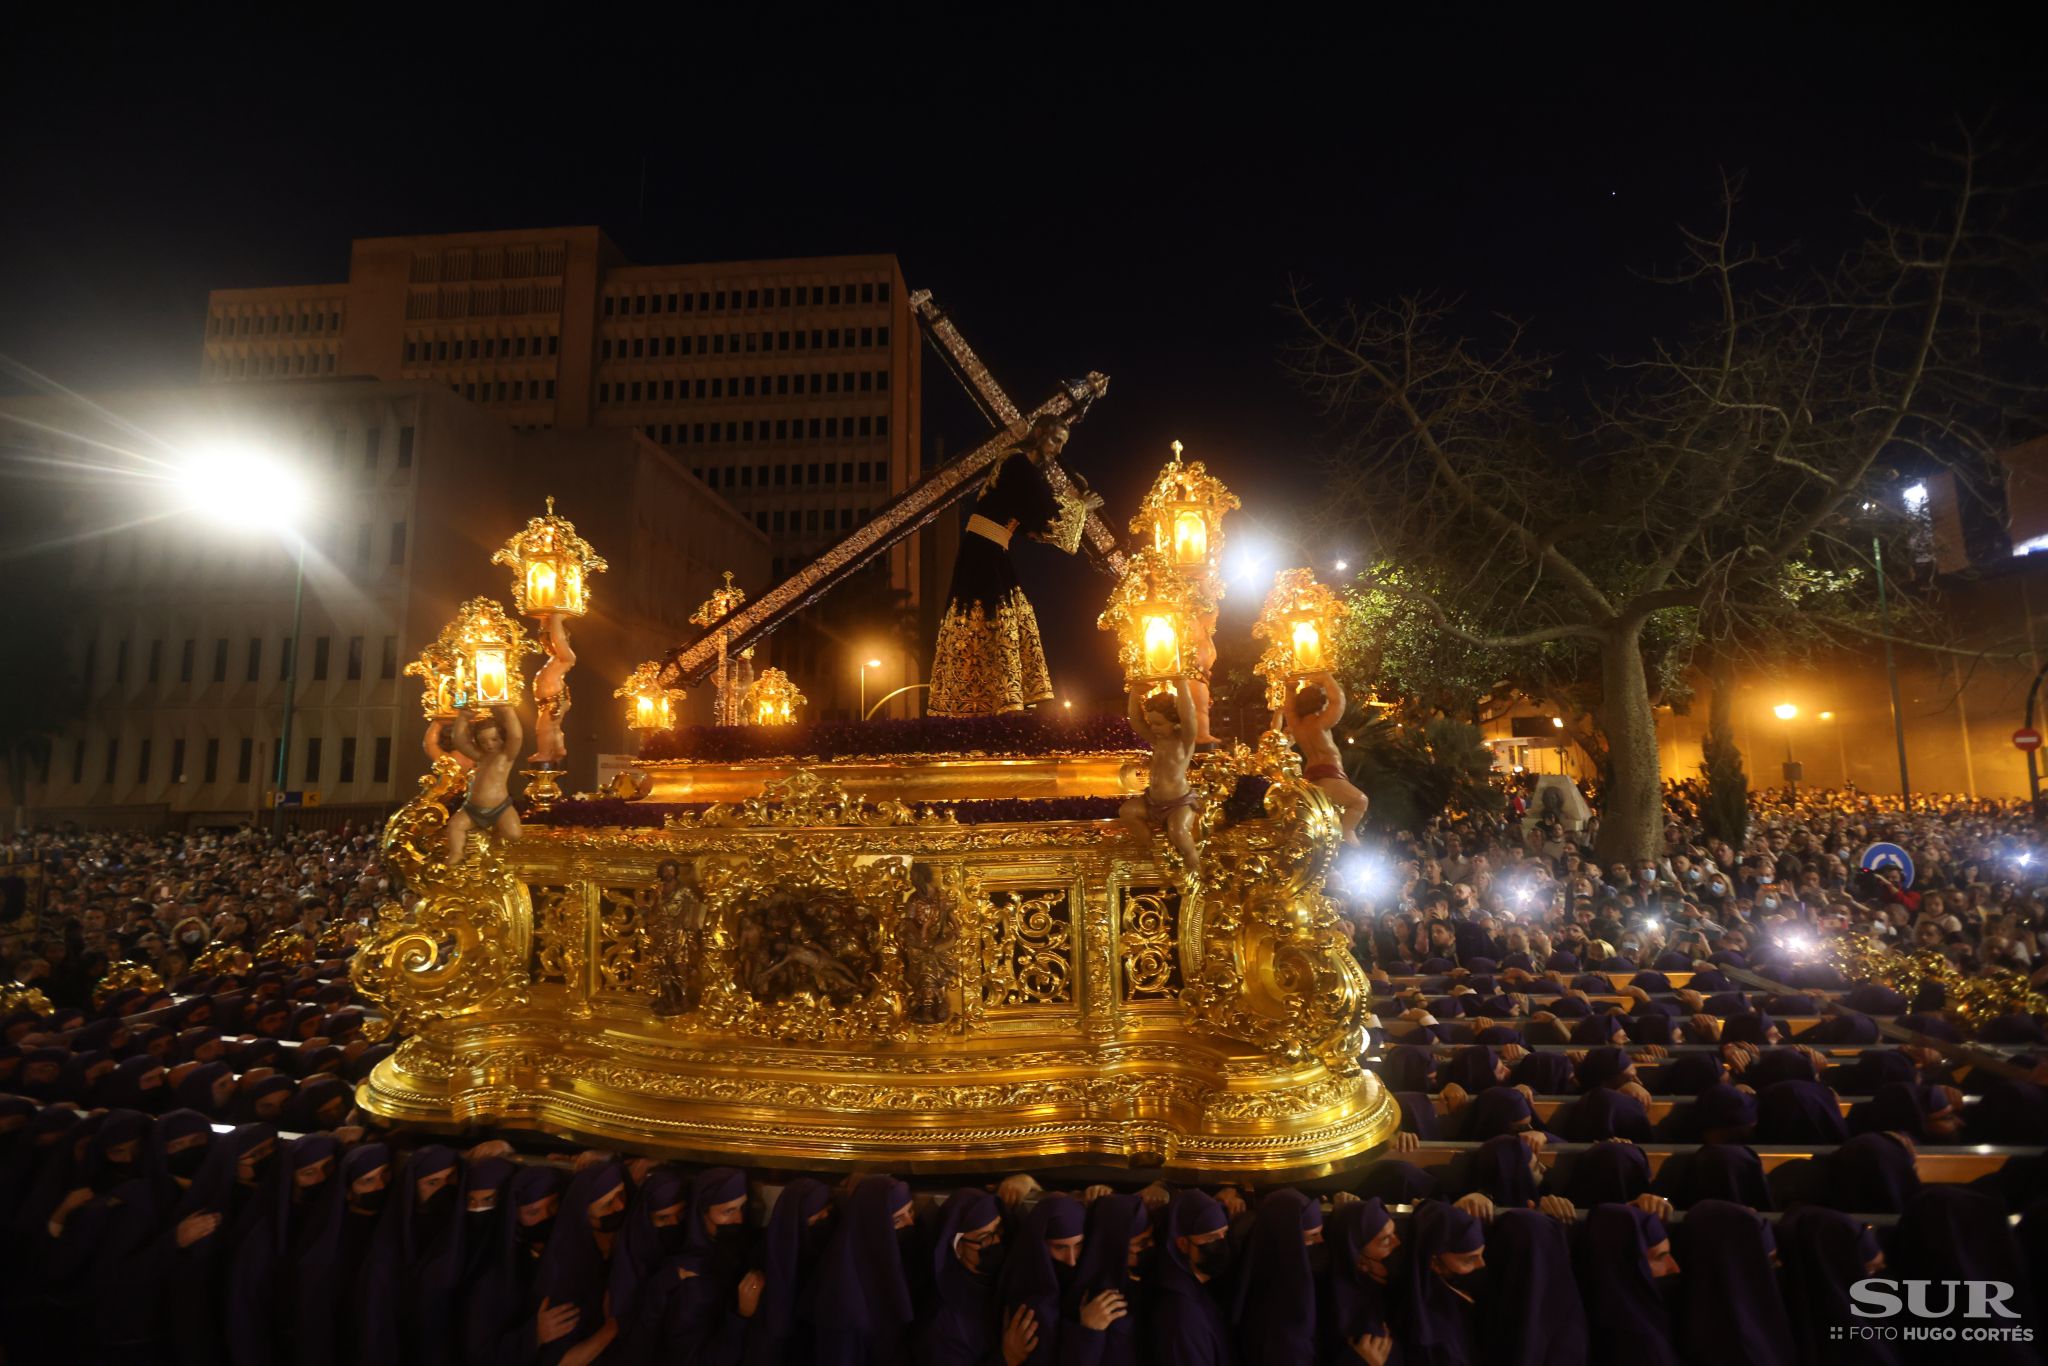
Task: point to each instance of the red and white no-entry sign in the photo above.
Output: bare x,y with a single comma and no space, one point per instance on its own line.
2026,737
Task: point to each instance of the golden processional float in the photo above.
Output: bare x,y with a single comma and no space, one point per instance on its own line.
953,958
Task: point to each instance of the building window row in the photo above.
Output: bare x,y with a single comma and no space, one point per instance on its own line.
738,343
782,429
519,346
287,323
818,520
817,383
816,474
488,263
657,300
265,367
311,770
252,670
505,390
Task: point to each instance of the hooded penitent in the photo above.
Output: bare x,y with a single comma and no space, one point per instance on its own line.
1274,1304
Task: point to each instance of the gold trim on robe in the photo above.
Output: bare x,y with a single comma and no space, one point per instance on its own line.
987,663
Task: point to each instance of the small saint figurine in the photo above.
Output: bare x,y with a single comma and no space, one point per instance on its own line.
551,693
926,938
674,923
1317,705
1167,719
489,744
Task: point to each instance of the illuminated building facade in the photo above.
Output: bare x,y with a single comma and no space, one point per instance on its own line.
789,387
179,628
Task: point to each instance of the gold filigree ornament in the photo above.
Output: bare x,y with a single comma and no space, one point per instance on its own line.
772,700
461,946
1154,611
16,996
649,706
288,945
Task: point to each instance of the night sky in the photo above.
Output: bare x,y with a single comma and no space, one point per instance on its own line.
1084,204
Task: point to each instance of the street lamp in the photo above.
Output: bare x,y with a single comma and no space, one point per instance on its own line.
1785,711
242,488
866,664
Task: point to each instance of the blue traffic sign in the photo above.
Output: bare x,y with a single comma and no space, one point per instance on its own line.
1889,856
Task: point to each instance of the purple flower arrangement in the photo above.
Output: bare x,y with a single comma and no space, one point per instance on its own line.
1024,734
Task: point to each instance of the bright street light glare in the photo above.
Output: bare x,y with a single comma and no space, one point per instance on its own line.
1343,565
1246,567
243,488
1784,711
1916,496
874,664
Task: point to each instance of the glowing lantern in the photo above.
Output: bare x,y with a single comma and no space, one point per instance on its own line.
1298,618
1308,643
551,567
1153,612
487,648
772,699
649,706
1162,643
1183,518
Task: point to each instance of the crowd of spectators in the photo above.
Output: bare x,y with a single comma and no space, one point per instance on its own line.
1580,1175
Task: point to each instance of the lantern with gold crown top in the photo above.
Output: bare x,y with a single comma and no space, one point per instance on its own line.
649,706
1299,621
1154,612
489,649
551,567
772,700
1182,518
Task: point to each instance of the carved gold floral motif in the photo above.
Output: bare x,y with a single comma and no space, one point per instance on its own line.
463,946
1026,942
804,800
558,916
619,941
1151,959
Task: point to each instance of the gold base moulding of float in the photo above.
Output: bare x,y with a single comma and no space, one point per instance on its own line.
809,976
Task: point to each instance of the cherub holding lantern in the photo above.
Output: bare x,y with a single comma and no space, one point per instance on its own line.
1313,709
490,745
1166,717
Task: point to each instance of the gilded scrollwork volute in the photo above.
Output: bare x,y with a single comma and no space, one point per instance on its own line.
462,946
1261,950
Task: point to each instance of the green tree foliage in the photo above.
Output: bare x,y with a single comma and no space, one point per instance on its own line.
1412,774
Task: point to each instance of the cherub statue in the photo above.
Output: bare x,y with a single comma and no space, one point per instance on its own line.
489,744
675,920
551,693
1166,718
1316,706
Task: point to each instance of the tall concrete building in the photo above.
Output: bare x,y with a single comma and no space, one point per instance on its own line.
789,387
176,631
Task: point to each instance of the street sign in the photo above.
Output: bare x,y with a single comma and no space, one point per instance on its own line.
2026,738
289,799
1889,856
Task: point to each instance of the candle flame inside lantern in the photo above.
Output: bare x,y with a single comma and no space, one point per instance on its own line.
648,715
1308,645
492,684
1162,645
1190,537
540,586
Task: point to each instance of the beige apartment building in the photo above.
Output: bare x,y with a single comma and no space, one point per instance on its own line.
788,387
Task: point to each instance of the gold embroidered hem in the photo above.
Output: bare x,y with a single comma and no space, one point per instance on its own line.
986,663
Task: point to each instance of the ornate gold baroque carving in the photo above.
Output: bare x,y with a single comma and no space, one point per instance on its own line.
461,948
